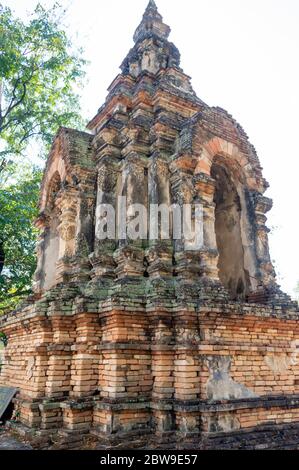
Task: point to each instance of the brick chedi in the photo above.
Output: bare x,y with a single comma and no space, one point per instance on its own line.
130,339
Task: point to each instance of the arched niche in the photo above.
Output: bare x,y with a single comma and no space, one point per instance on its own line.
233,230
51,236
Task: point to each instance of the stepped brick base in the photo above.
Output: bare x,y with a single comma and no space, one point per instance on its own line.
210,369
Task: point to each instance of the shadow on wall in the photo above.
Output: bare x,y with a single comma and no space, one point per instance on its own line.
228,209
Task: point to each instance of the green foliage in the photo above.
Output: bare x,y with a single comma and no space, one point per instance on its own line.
18,209
3,338
38,71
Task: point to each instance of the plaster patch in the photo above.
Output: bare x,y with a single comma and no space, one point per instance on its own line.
30,367
220,385
278,364
223,423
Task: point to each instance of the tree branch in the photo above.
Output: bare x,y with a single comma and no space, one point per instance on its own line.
13,104
15,101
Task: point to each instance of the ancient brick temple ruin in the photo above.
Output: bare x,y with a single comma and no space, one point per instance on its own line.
127,340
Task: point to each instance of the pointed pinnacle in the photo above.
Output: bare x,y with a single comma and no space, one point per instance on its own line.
152,23
151,4
151,9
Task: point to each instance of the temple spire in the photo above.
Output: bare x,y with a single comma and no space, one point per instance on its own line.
152,51
151,6
151,24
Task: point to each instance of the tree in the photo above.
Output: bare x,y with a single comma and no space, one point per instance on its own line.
38,71
18,209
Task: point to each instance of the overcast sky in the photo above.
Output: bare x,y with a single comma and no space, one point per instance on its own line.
242,55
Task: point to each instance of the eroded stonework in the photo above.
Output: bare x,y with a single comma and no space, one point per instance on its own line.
126,338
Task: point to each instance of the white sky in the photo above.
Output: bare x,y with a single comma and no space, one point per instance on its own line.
242,55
